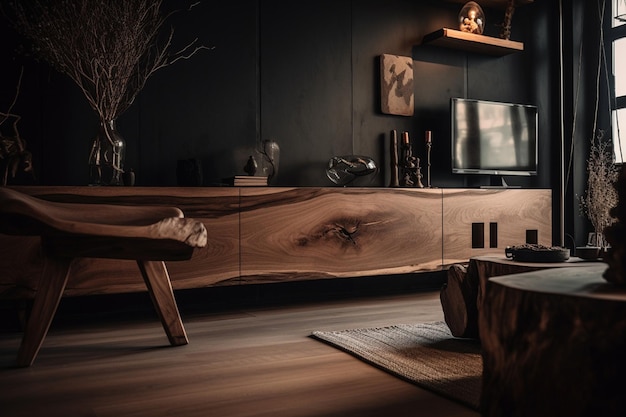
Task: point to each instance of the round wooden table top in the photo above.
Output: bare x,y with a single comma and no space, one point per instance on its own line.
503,260
584,280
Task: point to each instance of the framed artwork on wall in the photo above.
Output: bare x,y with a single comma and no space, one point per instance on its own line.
396,85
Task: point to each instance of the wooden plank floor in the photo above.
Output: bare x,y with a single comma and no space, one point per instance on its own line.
256,361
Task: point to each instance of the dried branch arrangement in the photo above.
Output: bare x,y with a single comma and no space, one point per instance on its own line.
600,196
108,48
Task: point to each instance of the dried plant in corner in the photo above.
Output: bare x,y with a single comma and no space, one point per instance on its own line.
600,196
13,153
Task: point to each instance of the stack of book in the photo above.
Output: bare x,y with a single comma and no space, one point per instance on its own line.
248,180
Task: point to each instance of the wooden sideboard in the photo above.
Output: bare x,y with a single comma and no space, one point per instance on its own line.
276,234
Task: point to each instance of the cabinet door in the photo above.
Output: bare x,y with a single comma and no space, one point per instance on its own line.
289,234
486,221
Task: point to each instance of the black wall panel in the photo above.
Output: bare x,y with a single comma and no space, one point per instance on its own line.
305,74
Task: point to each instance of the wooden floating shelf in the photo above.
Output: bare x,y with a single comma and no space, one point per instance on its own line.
451,38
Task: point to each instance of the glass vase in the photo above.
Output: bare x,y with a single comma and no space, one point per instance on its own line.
106,158
472,18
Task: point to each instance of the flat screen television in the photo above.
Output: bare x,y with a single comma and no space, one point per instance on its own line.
493,138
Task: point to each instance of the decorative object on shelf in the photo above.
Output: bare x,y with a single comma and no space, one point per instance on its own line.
344,170
393,158
600,196
251,166
269,157
615,234
106,158
505,33
429,144
108,49
189,172
472,18
411,172
396,85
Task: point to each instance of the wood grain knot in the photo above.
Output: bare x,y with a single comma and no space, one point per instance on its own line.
341,231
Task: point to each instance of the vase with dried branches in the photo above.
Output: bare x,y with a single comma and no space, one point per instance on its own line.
600,195
109,49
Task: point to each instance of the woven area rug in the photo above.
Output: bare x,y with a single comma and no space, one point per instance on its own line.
426,354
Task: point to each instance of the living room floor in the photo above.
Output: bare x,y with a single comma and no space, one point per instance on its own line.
241,361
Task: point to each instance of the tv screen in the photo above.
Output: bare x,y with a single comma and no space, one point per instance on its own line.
493,138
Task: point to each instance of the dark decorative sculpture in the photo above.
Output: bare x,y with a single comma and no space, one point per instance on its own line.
343,170
251,166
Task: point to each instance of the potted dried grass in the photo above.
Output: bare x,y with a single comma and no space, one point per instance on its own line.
600,195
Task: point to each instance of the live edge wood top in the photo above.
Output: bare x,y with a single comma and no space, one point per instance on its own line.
278,234
585,281
573,261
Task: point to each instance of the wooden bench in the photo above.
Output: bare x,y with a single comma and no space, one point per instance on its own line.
150,235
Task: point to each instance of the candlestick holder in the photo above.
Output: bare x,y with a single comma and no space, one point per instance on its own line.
411,170
429,144
393,157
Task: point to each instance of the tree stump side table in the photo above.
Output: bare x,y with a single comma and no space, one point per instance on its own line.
462,295
553,344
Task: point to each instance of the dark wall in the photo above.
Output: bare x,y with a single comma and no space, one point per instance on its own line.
306,85
305,74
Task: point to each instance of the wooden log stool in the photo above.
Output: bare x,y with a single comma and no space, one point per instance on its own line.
463,294
150,235
553,344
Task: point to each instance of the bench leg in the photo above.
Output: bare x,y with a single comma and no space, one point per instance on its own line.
160,288
49,292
